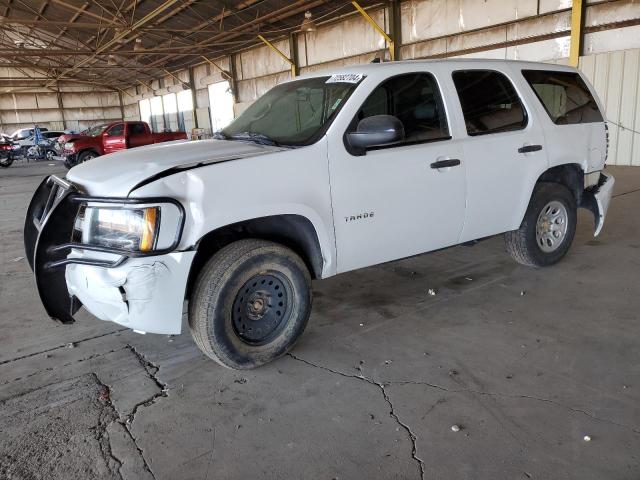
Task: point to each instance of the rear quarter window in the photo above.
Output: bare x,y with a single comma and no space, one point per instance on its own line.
490,103
564,96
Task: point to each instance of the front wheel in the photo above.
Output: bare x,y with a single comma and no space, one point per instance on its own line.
6,162
548,227
251,302
86,156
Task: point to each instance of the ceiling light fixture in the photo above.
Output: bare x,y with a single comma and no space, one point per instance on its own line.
308,25
138,47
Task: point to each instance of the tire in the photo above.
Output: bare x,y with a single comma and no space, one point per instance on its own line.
68,163
250,304
6,162
49,155
86,156
544,214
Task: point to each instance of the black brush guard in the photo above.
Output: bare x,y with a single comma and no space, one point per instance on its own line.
47,240
49,222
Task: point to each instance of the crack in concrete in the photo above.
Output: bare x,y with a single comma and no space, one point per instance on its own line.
406,427
392,412
51,369
516,396
125,423
152,370
29,355
101,430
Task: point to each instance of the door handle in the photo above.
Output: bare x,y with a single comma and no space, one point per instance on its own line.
530,148
451,162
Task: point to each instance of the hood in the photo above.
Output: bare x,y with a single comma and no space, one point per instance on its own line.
118,173
68,136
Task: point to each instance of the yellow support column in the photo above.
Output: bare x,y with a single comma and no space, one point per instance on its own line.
380,30
577,13
294,70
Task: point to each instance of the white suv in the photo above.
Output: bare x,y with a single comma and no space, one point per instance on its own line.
324,174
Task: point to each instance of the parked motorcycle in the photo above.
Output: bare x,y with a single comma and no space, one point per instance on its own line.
7,152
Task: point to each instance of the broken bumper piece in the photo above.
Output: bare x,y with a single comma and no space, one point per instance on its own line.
143,291
597,199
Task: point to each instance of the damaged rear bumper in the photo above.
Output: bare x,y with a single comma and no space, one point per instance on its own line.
597,199
144,292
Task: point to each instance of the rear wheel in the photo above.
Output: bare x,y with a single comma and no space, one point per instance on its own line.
548,227
49,155
250,304
6,162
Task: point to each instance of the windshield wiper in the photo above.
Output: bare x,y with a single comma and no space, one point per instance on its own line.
258,138
219,135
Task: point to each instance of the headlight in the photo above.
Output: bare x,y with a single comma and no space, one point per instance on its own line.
68,146
132,228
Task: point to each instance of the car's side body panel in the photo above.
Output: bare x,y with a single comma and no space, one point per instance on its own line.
229,192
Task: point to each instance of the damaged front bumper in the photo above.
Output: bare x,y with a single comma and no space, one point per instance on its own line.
597,198
144,292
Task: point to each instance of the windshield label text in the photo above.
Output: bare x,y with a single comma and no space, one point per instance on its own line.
345,78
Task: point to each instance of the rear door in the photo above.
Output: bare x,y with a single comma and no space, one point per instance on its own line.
394,201
137,134
503,148
575,130
114,139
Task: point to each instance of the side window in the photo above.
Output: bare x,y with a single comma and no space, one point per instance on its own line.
117,130
565,96
489,102
136,129
415,100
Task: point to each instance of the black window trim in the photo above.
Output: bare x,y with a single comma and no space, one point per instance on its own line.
108,132
555,122
515,89
357,152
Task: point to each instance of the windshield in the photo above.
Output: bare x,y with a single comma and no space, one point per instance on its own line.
293,113
95,131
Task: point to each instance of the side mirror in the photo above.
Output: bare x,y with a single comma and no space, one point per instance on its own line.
376,131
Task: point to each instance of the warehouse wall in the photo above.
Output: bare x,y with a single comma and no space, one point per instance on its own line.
82,106
536,30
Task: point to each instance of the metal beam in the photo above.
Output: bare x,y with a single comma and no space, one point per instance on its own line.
293,48
577,35
61,107
224,73
124,33
395,27
194,99
379,29
291,63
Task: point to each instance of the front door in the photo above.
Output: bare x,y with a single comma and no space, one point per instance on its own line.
114,139
402,199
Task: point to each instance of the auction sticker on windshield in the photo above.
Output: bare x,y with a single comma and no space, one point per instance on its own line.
345,78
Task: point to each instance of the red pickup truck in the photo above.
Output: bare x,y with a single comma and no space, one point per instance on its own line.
109,138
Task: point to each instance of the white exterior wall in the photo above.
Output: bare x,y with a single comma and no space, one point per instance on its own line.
535,30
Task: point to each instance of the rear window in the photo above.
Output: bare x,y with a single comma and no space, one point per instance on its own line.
489,102
137,129
565,96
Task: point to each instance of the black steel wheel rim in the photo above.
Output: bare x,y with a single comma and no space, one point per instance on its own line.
262,308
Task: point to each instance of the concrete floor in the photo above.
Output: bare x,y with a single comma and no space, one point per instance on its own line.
526,361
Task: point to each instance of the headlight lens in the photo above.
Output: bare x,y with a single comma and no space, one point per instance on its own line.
132,229
68,146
